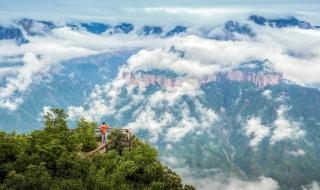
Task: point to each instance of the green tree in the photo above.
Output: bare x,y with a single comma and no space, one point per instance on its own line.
35,177
11,146
117,141
53,158
86,134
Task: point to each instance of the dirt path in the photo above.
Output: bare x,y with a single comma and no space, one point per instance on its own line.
101,148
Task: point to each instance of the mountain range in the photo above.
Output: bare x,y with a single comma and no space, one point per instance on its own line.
20,28
245,121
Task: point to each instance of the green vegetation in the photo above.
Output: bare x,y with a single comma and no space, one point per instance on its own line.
54,158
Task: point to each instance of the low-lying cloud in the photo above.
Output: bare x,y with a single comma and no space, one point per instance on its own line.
285,129
256,131
282,128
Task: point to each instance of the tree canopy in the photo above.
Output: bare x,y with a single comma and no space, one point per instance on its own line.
53,158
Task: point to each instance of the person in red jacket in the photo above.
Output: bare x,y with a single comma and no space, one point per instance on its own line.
103,129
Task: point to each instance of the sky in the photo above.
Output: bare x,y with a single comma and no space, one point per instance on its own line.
107,10
122,3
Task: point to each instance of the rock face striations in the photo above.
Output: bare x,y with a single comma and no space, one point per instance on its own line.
260,79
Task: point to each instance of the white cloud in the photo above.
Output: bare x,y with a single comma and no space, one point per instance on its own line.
170,125
313,186
285,129
21,81
148,120
171,95
45,110
160,59
208,55
281,129
39,58
186,124
298,152
10,104
263,183
256,131
97,107
267,94
75,112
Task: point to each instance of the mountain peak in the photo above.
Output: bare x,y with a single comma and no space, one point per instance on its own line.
94,27
150,30
280,22
176,30
124,28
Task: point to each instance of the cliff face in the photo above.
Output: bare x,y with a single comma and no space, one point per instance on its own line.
260,79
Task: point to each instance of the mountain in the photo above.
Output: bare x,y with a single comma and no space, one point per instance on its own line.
151,30
125,28
96,28
260,100
280,23
176,30
35,27
12,33
232,26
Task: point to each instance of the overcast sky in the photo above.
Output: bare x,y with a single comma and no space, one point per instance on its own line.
40,3
86,5
123,9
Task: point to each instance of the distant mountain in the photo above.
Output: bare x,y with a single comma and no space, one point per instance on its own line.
12,33
281,22
176,30
125,28
38,27
232,26
96,28
150,30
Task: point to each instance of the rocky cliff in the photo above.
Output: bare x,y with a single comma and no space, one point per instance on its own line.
260,79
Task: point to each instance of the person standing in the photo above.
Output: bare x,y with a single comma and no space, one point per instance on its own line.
103,129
